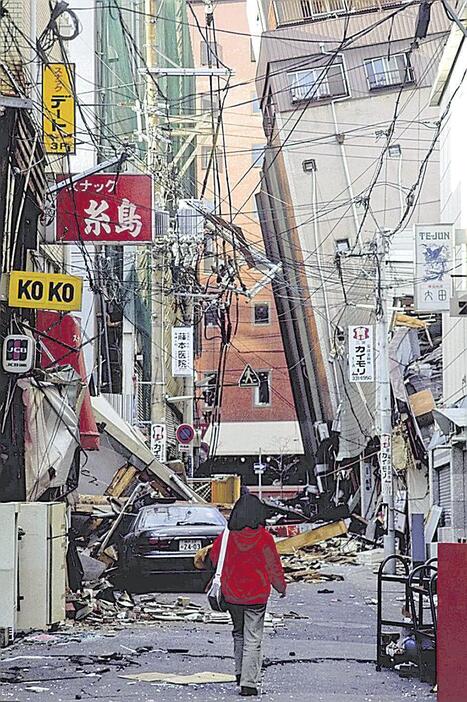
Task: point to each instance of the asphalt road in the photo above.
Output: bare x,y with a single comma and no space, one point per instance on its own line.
328,657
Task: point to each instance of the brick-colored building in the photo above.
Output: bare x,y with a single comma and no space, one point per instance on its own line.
257,419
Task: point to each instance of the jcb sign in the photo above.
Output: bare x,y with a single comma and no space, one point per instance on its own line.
45,291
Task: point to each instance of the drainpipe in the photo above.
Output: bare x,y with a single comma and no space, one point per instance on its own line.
340,141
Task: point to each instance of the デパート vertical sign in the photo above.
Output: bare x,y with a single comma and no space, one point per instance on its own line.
434,245
182,351
361,354
58,108
106,208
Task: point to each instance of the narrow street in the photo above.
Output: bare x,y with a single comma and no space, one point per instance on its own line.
328,656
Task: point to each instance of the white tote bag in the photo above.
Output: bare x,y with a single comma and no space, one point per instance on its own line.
215,597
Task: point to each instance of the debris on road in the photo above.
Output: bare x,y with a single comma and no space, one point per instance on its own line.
309,538
204,678
103,605
305,565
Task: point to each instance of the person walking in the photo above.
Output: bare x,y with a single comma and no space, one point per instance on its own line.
251,566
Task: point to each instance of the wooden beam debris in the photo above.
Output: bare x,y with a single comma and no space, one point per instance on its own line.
308,538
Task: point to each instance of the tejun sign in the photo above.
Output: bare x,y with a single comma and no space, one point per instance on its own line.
45,291
106,208
433,266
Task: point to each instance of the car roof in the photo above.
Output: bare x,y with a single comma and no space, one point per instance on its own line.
179,504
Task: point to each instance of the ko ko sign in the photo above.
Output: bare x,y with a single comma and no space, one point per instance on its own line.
106,208
45,291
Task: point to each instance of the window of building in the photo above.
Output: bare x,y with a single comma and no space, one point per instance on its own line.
255,103
210,388
211,316
342,246
261,313
257,152
206,157
318,83
209,105
208,254
385,71
263,390
210,52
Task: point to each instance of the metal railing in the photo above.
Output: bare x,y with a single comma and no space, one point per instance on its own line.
296,11
386,79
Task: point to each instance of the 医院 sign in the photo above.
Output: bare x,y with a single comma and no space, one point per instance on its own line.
433,264
361,354
45,291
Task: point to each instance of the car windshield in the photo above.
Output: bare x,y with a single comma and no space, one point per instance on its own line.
178,515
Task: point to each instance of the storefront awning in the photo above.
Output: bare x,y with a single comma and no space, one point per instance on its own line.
129,442
60,342
251,438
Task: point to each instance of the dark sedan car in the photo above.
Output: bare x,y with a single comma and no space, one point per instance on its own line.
163,541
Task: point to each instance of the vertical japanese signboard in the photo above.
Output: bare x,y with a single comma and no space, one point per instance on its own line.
434,245
182,351
106,208
159,442
361,354
58,108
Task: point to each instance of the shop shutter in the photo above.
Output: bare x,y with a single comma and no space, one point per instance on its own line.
443,490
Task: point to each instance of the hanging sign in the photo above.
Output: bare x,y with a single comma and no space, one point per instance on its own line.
361,354
182,351
45,291
434,244
18,353
58,108
385,464
159,442
106,208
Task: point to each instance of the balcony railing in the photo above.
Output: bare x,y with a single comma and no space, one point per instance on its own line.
297,11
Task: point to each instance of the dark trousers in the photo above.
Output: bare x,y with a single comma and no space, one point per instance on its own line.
248,626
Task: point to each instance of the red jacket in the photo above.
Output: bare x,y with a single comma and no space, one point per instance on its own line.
251,566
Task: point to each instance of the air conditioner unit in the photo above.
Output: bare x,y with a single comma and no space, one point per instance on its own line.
42,563
8,572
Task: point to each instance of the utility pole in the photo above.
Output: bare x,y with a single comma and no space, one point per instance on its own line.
383,396
156,260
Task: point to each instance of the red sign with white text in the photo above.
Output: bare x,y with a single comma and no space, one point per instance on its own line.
106,208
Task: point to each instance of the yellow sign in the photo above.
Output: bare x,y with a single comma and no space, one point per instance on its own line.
58,108
45,291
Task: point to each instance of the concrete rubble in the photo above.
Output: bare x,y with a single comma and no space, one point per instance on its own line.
101,605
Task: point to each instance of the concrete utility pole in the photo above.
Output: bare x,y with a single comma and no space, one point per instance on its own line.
383,394
158,404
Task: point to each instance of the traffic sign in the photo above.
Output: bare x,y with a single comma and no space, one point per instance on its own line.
249,378
185,434
259,468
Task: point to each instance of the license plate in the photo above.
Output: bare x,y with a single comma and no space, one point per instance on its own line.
189,545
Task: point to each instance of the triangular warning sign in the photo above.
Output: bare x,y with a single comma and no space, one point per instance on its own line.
249,378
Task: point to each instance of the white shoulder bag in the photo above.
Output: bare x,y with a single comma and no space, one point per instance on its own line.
215,596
